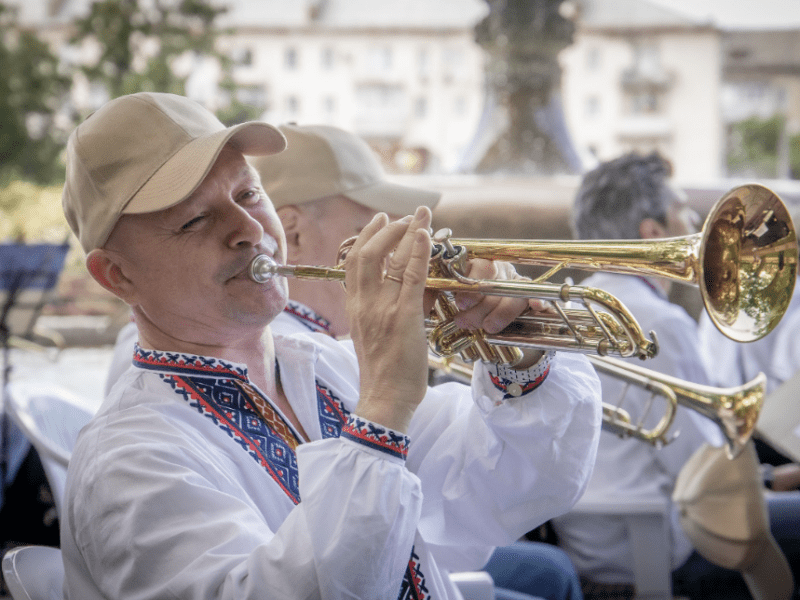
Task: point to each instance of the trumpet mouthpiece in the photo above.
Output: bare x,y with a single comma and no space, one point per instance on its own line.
263,268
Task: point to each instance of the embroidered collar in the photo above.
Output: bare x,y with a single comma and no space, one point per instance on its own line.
187,364
308,317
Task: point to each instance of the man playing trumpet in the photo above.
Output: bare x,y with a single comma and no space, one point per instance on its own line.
232,463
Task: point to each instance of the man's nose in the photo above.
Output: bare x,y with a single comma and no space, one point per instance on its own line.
245,229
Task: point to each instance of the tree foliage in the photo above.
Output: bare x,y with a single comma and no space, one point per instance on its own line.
31,90
754,148
140,41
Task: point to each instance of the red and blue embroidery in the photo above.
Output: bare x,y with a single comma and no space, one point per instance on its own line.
188,364
332,412
267,439
375,436
413,587
308,317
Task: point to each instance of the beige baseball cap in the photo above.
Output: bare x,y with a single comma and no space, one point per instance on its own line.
723,513
322,161
143,153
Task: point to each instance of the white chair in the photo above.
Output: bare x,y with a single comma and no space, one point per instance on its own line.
474,585
34,573
51,417
648,524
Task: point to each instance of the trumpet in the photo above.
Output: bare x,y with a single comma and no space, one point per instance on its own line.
744,261
734,410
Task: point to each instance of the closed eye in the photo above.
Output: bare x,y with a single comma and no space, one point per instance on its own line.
189,224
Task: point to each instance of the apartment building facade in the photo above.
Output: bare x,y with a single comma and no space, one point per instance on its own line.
408,76
644,76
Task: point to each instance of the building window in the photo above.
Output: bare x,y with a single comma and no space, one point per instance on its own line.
421,107
647,59
252,95
242,57
326,58
424,63
290,59
379,59
292,106
644,102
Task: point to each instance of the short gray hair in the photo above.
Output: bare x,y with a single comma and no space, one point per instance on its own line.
618,195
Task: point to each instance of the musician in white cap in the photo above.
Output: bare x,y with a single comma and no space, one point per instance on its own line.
231,463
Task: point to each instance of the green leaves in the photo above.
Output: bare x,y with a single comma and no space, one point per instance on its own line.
32,87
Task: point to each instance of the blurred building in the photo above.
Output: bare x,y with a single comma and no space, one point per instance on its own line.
674,75
408,76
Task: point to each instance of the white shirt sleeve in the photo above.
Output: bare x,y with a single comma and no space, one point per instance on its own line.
492,471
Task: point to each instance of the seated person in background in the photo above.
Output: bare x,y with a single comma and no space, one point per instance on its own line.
326,187
188,482
631,198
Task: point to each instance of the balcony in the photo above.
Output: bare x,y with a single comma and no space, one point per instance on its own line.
643,126
653,79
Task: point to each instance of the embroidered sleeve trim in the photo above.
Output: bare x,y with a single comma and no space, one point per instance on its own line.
376,436
515,383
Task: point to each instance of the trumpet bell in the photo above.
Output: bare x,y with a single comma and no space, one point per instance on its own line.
744,260
735,410
748,262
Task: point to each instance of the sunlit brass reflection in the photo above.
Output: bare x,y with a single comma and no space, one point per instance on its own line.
744,260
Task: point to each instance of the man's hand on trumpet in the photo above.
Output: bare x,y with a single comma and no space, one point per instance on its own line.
386,271
495,313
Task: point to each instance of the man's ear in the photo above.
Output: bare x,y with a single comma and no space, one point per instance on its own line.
651,229
290,217
104,267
